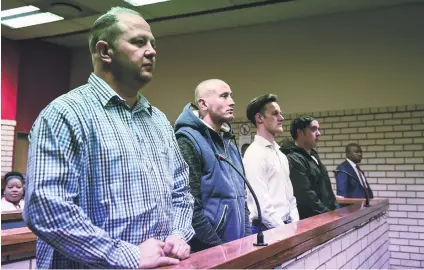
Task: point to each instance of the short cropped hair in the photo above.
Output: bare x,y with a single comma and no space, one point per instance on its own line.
300,123
351,145
257,105
11,175
106,28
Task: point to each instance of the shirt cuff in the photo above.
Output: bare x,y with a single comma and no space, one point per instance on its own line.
186,236
130,255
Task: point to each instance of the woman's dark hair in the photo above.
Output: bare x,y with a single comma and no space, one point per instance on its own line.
11,175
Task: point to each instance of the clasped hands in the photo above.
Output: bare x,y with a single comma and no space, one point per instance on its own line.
155,253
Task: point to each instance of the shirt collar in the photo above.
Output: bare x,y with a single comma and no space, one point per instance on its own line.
265,143
107,95
353,164
224,128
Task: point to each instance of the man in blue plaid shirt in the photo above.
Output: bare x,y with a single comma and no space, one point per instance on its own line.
107,185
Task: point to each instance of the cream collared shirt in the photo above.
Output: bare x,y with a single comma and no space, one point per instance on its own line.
353,164
267,170
8,206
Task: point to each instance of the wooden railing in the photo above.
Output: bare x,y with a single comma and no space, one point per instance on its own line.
288,241
284,243
11,216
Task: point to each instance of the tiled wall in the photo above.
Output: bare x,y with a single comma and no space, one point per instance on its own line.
392,140
366,248
7,140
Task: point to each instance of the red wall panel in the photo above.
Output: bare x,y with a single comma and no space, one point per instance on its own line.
44,74
10,54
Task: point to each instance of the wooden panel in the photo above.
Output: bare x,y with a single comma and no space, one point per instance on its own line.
285,242
349,200
16,236
11,215
27,248
21,153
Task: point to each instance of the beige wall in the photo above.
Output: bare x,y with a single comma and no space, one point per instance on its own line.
342,61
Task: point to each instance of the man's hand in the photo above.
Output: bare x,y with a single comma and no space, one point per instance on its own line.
176,247
152,254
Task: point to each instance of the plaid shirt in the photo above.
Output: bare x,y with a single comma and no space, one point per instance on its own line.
103,178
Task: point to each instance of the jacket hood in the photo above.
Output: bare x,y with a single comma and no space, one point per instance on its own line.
289,146
190,118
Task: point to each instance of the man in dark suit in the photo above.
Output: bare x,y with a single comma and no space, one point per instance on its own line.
350,179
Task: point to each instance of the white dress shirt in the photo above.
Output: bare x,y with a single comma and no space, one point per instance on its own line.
267,170
353,164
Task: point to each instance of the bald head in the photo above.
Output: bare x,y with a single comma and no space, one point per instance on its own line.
214,100
209,87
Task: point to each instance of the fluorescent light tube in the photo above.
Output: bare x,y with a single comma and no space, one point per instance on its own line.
17,11
138,3
32,19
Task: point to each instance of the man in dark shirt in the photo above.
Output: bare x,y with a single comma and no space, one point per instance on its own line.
311,184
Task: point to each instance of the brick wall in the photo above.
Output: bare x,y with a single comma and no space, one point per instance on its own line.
364,248
7,140
392,141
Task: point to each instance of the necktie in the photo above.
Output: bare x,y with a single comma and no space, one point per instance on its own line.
364,183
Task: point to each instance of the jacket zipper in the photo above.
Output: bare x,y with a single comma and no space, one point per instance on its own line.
232,182
222,219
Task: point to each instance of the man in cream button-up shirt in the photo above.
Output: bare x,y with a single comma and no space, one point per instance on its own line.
267,168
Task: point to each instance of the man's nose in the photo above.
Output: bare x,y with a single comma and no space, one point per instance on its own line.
151,52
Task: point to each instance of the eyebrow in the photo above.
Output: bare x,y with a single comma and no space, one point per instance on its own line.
143,36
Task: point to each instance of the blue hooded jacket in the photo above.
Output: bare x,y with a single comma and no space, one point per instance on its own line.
222,189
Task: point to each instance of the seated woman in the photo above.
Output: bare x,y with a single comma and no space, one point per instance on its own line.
13,198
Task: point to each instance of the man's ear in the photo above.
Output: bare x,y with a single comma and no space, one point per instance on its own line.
300,130
104,51
259,118
202,104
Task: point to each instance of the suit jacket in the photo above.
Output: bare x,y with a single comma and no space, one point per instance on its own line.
349,186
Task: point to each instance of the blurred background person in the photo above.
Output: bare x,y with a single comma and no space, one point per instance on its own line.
13,198
350,179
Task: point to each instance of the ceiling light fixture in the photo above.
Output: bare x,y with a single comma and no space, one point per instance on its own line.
17,11
29,20
138,3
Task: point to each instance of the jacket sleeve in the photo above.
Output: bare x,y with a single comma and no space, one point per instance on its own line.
294,212
182,199
305,195
370,190
342,183
204,231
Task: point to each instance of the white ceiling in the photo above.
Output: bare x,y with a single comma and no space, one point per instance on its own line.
181,16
